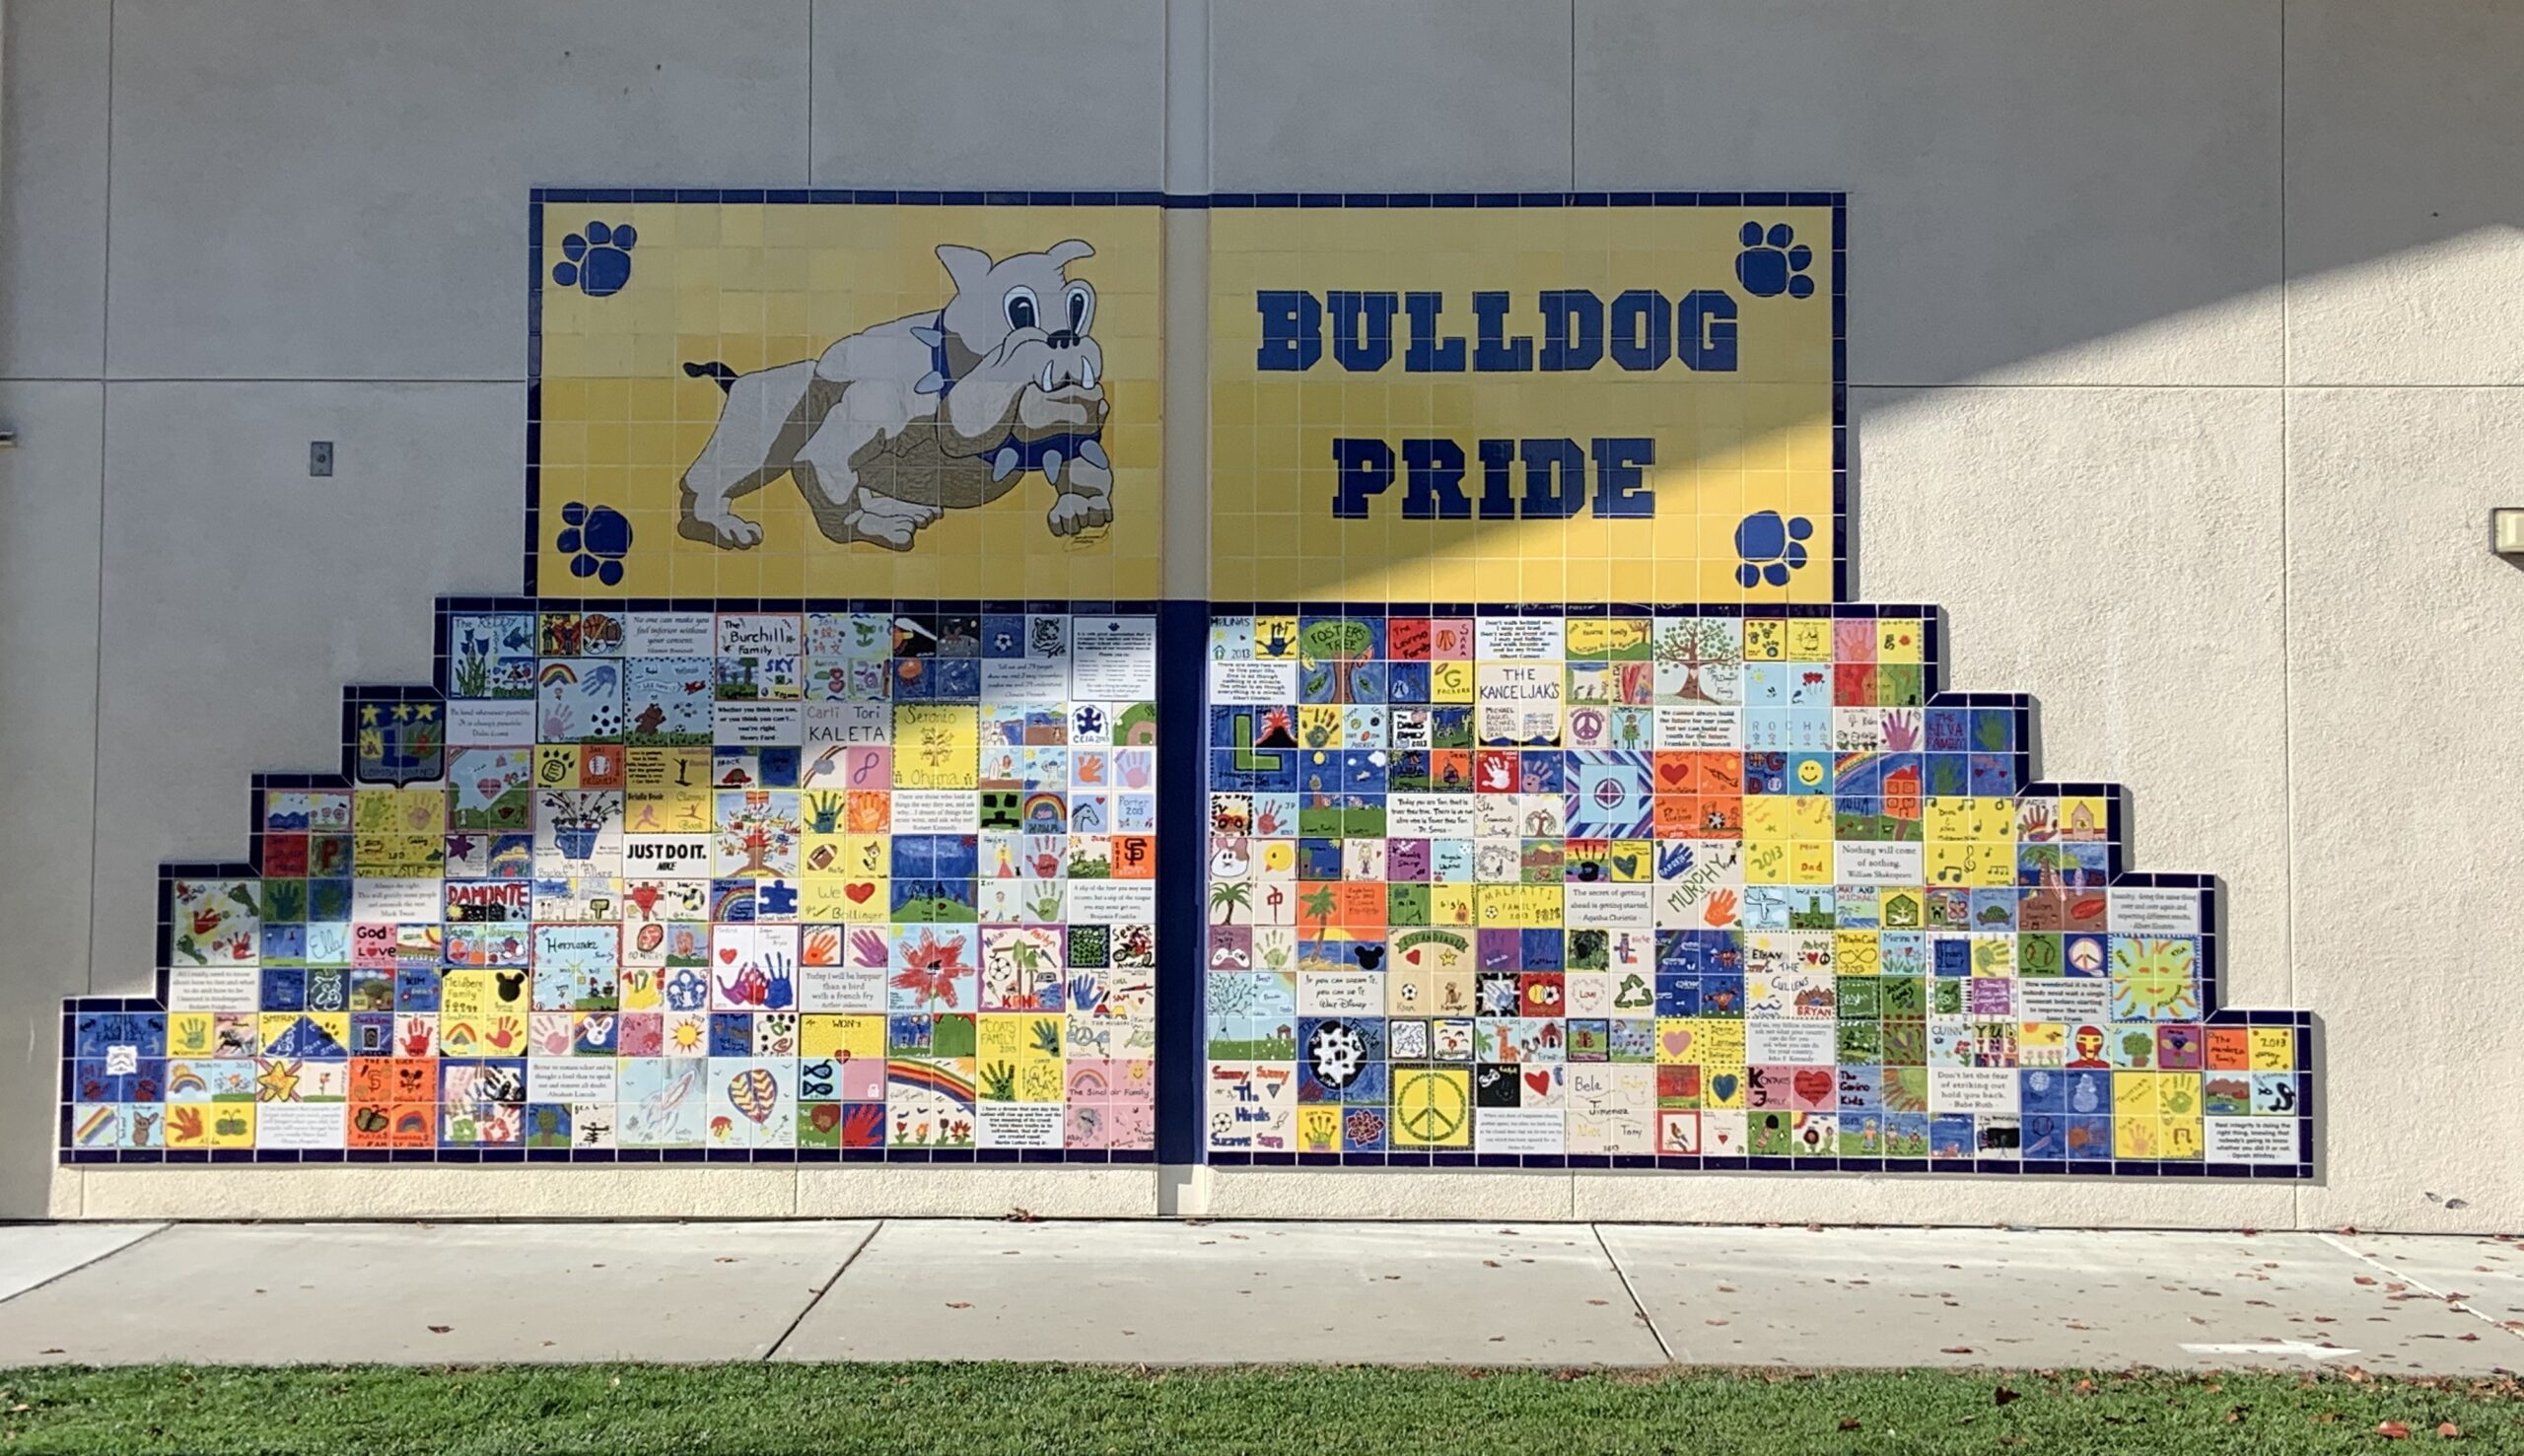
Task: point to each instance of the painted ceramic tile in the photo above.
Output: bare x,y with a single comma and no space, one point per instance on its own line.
741,398
695,863
918,914
1689,887
1510,399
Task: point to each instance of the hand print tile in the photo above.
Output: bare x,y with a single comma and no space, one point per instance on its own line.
1811,912
656,896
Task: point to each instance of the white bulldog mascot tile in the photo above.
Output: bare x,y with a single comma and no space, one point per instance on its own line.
903,421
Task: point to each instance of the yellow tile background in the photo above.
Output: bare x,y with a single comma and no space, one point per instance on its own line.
1727,444
756,285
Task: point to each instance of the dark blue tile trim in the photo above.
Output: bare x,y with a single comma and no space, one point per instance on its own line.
533,383
1181,1059
1190,620
894,196
1843,589
2215,1013
1182,627
1837,201
1182,646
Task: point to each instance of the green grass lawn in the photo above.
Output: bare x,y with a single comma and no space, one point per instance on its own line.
969,1409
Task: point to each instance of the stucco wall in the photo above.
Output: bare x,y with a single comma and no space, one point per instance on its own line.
2184,354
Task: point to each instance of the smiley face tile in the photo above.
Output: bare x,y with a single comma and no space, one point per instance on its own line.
682,880
807,803
1691,887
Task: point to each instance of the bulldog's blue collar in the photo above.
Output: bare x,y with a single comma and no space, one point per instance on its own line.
941,379
1031,454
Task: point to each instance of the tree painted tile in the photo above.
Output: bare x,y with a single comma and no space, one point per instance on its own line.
1715,886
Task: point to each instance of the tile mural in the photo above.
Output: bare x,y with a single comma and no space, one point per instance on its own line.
1554,398
1686,888
747,394
806,804
879,881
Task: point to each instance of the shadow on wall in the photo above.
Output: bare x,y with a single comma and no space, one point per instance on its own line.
1628,398
2033,465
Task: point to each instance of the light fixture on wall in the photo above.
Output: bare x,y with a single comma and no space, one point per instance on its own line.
2506,531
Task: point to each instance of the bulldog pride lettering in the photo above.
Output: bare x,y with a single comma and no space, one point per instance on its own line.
1555,473
1502,402
1644,325
1526,792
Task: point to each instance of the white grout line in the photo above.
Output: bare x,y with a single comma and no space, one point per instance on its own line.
2371,1262
1623,1274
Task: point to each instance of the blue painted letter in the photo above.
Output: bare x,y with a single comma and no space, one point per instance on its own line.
1705,329
1555,479
1429,353
1291,329
1621,477
1642,330
1496,503
1573,329
1362,330
1434,482
1365,468
1493,351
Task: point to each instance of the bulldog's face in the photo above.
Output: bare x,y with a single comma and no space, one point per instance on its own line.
1023,321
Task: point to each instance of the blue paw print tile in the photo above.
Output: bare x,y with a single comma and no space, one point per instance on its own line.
1774,263
597,261
595,538
1771,546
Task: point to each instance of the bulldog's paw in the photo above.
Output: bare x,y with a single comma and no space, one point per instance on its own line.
1072,513
892,532
724,531
883,521
594,538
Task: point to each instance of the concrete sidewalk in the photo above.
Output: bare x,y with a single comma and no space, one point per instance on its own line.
1460,1294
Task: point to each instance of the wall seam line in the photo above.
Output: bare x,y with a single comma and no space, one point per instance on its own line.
2286,560
304,380
104,436
2337,385
2274,387
1209,102
1164,116
811,93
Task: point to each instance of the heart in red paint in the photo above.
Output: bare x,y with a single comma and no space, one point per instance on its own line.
1813,1084
858,893
1673,770
1541,1082
728,955
1411,956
